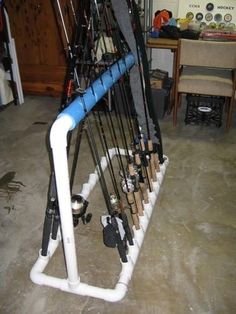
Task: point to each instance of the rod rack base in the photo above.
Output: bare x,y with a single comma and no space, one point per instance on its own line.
38,276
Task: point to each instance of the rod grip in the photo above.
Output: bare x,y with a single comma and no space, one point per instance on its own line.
152,162
138,202
144,192
130,199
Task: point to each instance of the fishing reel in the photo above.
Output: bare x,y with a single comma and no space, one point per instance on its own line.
136,178
134,144
127,184
79,207
114,229
142,151
130,179
115,204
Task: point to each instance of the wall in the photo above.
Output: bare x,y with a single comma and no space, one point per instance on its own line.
223,12
171,5
163,58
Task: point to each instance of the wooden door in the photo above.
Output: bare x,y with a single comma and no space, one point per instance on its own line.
40,51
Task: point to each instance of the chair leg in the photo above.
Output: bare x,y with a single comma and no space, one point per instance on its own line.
179,100
176,106
226,107
229,113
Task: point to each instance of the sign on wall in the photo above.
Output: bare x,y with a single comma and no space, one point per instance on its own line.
215,12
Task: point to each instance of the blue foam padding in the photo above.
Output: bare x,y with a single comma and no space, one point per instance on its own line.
82,104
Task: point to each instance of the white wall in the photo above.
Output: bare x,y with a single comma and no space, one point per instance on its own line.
171,5
163,58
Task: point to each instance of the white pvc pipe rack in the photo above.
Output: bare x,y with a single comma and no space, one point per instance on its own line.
73,284
65,122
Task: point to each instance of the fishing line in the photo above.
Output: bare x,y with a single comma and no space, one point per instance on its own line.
73,12
106,151
76,153
114,137
127,110
71,54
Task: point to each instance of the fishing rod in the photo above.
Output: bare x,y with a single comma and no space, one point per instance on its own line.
79,204
104,50
135,141
150,168
126,183
101,35
115,143
73,12
49,214
121,13
113,222
51,221
128,107
118,203
157,146
124,97
128,186
52,216
135,189
139,167
71,75
71,81
76,153
89,36
112,231
145,83
103,139
94,154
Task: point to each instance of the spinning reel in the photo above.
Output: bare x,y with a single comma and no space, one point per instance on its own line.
79,207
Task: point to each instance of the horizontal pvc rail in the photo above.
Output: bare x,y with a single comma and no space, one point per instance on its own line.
65,122
81,105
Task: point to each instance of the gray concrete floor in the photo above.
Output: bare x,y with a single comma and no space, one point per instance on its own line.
187,262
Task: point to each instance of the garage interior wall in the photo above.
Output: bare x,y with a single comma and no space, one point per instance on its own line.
163,58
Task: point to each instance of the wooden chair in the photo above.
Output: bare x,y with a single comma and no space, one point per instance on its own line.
206,68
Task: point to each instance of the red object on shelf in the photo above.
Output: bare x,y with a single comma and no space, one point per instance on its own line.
218,35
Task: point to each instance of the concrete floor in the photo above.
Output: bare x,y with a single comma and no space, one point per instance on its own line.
187,262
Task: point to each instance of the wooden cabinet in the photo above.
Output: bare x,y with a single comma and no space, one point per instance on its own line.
39,46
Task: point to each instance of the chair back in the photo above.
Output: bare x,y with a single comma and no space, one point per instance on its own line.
208,53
